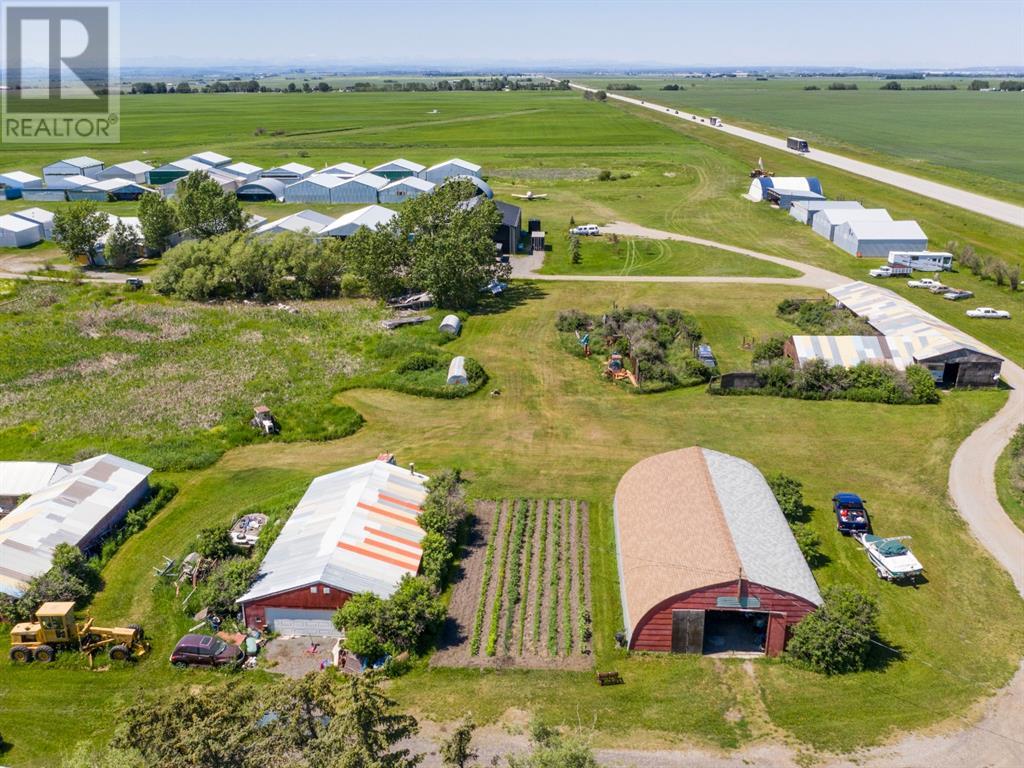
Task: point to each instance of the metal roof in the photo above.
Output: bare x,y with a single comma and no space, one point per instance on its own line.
39,215
133,166
344,169
371,216
479,183
326,180
841,351
354,530
211,158
13,223
412,181
82,161
369,180
290,168
302,221
842,215
111,185
693,518
19,478
401,163
820,205
886,230
68,511
274,186
243,169
19,176
186,164
471,168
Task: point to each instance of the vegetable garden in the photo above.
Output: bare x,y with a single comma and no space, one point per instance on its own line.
524,596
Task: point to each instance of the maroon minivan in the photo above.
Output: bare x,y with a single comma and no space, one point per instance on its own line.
205,650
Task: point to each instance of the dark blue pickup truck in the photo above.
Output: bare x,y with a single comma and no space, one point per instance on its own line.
851,514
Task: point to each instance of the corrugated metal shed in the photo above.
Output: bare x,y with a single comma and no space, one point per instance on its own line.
40,216
355,530
840,351
12,182
399,168
345,170
259,190
288,172
360,189
694,518
16,232
372,216
211,158
312,189
440,172
20,478
133,170
76,509
804,210
245,171
827,221
759,187
400,190
82,165
875,239
311,222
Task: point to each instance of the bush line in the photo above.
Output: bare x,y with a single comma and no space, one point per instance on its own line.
485,583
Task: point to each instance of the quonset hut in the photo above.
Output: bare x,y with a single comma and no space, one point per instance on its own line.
707,562
759,187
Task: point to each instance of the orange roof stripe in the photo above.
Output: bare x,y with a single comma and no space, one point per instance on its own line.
393,537
376,556
387,513
391,548
399,502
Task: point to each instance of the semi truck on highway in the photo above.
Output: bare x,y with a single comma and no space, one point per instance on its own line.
800,145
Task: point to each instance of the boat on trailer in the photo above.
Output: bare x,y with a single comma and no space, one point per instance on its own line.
892,559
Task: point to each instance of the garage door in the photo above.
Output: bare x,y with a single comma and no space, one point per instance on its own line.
297,621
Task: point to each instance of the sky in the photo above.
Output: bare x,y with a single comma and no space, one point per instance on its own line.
728,33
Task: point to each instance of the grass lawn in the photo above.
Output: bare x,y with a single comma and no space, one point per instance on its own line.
558,430
640,256
963,138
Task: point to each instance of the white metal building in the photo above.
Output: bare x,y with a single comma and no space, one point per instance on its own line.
875,239
41,216
317,188
261,190
360,189
79,507
399,168
16,232
354,531
400,190
345,170
73,166
245,171
214,159
826,221
12,182
309,222
372,216
804,210
289,173
455,167
23,478
759,187
132,170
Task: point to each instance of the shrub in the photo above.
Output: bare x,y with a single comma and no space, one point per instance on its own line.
922,385
571,320
779,375
789,493
836,638
769,349
400,623
353,286
809,543
361,641
215,542
228,581
420,361
437,557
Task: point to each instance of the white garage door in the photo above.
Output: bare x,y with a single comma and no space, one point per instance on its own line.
297,621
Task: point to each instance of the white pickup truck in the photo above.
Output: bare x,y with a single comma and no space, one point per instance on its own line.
891,270
924,282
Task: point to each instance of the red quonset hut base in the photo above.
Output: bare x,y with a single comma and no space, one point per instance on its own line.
303,599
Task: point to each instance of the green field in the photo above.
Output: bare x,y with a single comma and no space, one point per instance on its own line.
964,138
557,430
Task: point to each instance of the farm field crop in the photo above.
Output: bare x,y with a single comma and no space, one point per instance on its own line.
963,138
524,597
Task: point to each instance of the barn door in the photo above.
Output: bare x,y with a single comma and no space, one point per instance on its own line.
687,631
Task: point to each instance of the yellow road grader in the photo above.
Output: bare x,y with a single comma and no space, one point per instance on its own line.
55,627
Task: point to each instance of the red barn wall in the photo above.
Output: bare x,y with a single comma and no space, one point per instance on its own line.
255,610
654,631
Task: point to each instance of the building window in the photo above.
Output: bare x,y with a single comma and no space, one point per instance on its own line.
327,590
312,590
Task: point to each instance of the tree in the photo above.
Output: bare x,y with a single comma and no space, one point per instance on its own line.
437,557
123,245
399,623
552,750
157,220
366,731
214,542
601,96
183,87
892,85
228,581
574,250
291,87
323,87
77,228
457,750
977,85
837,637
789,493
204,209
380,259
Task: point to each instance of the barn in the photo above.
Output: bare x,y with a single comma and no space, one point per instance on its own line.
875,239
804,210
759,187
80,505
244,171
353,531
16,232
74,166
132,170
360,189
372,216
398,169
212,159
400,190
317,188
914,336
261,191
289,173
837,351
41,216
707,562
827,221
310,222
12,182
345,170
441,172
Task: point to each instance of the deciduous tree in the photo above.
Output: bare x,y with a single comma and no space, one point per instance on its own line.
204,209
77,228
157,220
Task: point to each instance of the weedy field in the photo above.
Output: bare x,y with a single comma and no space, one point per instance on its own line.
959,137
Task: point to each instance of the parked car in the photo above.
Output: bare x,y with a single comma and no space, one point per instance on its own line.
585,229
924,282
135,283
205,650
956,295
706,356
890,270
988,312
851,514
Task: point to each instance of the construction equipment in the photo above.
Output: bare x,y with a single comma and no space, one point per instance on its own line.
263,421
760,171
55,627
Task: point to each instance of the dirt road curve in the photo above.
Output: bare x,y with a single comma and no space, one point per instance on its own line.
972,473
994,741
996,209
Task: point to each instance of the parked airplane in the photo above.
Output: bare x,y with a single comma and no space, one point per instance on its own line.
530,196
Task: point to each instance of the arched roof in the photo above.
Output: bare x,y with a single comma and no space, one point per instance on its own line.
270,186
483,186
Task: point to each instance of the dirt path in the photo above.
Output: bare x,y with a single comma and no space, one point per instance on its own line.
971,201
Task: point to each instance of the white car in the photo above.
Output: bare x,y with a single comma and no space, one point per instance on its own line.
925,282
585,229
890,270
988,312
